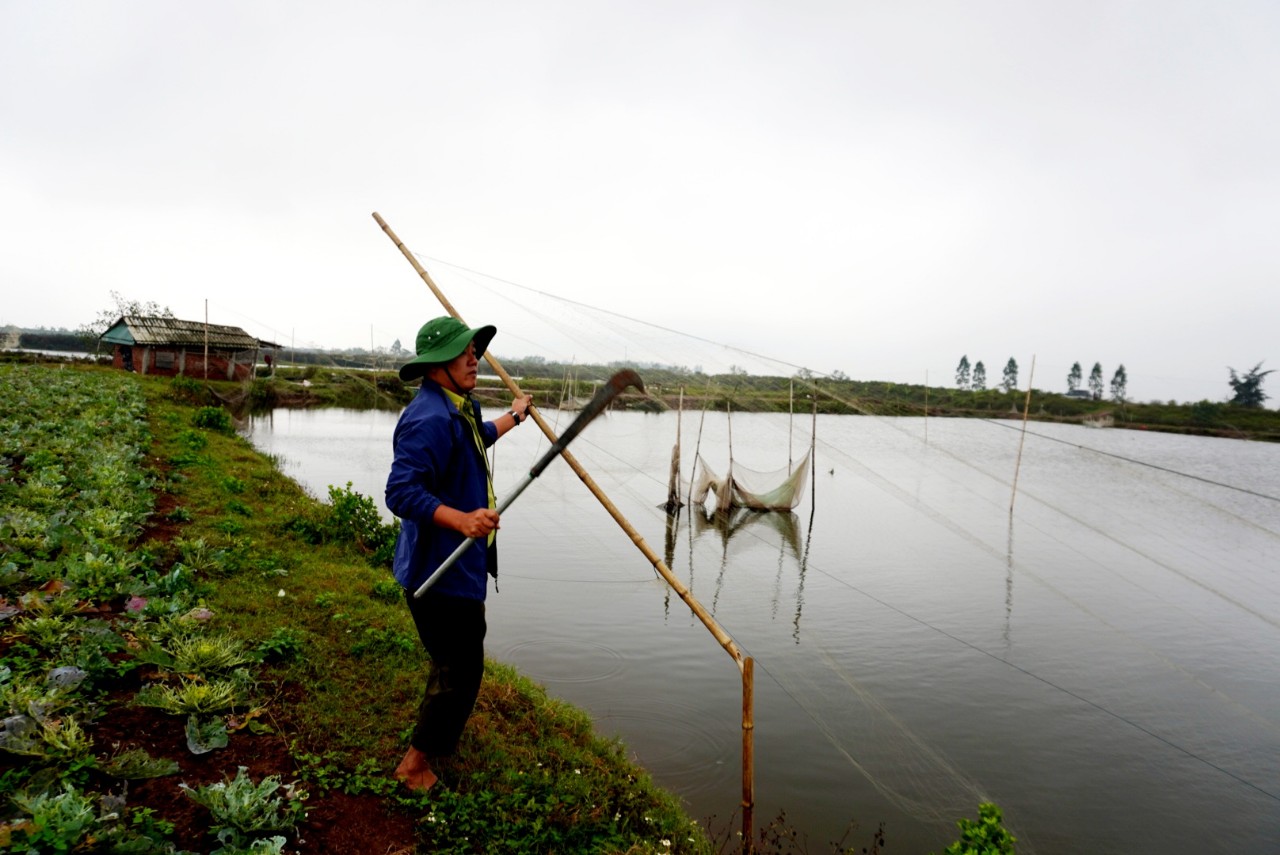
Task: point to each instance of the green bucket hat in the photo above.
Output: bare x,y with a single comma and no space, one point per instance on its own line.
442,340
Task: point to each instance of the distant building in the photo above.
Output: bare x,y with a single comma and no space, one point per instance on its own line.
168,347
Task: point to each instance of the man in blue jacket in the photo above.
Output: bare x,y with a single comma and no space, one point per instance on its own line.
441,488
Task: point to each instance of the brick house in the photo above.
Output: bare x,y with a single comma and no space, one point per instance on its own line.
168,347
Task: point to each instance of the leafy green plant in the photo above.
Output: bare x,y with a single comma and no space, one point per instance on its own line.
59,740
375,641
197,554
205,734
93,650
208,654
388,590
284,645
354,518
57,822
193,440
187,390
100,575
243,811
46,632
72,820
193,696
987,836
214,419
229,527
135,764
328,772
179,515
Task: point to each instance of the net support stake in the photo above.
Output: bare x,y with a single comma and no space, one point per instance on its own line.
1026,410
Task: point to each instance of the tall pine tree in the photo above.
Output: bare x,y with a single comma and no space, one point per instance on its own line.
1118,383
962,373
1010,380
1095,381
1073,379
1248,389
979,376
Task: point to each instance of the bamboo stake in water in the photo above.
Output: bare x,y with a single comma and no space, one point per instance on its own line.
1026,410
926,407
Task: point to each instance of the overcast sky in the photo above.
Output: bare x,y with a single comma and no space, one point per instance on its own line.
870,187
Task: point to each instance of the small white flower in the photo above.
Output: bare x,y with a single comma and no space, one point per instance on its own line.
577,771
280,593
666,843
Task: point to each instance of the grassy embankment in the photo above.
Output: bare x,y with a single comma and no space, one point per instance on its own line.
335,379
360,389
167,591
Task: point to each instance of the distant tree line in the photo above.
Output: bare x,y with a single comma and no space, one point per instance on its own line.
974,378
1246,387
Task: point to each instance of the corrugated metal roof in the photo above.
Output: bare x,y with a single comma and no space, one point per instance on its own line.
156,332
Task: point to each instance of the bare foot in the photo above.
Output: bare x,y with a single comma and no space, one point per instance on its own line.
415,771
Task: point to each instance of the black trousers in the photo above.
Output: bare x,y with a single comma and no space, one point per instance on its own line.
452,631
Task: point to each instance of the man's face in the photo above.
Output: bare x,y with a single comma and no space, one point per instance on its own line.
460,373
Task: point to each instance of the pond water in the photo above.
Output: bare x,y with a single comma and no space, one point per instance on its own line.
1100,662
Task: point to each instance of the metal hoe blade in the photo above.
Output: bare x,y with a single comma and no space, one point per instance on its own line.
597,405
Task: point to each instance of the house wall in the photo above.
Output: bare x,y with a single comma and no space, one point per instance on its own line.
171,361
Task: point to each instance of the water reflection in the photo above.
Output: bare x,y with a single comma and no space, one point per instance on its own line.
756,532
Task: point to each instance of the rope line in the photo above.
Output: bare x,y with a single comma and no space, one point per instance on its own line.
1046,681
1141,462
854,403
628,318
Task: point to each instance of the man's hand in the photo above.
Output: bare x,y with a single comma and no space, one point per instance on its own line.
478,523
521,406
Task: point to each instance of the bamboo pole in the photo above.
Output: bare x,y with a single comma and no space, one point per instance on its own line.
813,458
703,615
745,664
791,418
748,752
697,447
1026,411
674,502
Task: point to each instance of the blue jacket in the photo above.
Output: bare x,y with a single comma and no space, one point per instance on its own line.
436,462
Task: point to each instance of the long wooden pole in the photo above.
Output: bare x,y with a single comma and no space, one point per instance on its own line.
1026,411
748,753
745,664
696,607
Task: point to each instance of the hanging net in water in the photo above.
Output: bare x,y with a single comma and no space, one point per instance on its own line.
705,482
768,491
749,488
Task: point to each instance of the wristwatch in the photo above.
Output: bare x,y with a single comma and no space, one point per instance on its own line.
515,416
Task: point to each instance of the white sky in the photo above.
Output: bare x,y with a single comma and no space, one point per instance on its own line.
873,187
